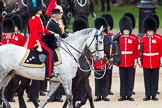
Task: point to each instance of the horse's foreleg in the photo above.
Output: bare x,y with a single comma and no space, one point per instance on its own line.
89,93
68,86
31,95
54,86
24,85
3,85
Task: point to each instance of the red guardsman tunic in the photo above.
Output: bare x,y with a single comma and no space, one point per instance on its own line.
16,39
152,51
136,43
36,31
128,51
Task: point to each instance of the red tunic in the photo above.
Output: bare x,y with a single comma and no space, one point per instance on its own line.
152,51
16,39
37,30
128,51
135,37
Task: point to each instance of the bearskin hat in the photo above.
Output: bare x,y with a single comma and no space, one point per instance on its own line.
81,22
132,17
8,15
100,21
8,25
33,6
109,19
84,17
150,24
125,23
156,17
17,20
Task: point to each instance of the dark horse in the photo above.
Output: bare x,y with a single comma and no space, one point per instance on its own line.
82,80
75,8
112,49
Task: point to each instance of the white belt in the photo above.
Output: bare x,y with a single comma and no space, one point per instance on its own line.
150,54
127,52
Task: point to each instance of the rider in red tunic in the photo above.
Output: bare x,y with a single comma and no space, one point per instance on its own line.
37,31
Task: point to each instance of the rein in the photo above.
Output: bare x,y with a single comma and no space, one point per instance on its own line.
82,53
96,71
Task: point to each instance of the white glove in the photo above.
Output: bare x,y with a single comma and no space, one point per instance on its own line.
57,36
135,63
139,62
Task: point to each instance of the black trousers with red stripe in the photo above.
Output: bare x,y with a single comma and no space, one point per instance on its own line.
49,60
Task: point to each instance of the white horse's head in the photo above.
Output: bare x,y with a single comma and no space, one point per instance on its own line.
96,45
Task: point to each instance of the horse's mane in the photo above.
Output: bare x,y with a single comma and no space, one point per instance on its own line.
77,34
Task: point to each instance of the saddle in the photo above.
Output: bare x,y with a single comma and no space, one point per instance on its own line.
33,58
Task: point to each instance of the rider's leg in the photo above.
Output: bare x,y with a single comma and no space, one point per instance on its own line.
50,61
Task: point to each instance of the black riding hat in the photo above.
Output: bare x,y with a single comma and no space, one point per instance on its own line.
17,20
8,25
125,23
109,19
100,21
150,24
33,6
56,11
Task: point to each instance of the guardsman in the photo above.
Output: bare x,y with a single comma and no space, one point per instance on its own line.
16,38
133,20
128,53
19,38
8,36
101,91
37,31
150,58
110,21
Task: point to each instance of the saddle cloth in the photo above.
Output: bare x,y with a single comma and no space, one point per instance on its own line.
31,59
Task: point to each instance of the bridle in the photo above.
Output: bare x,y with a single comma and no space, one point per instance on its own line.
82,3
88,56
